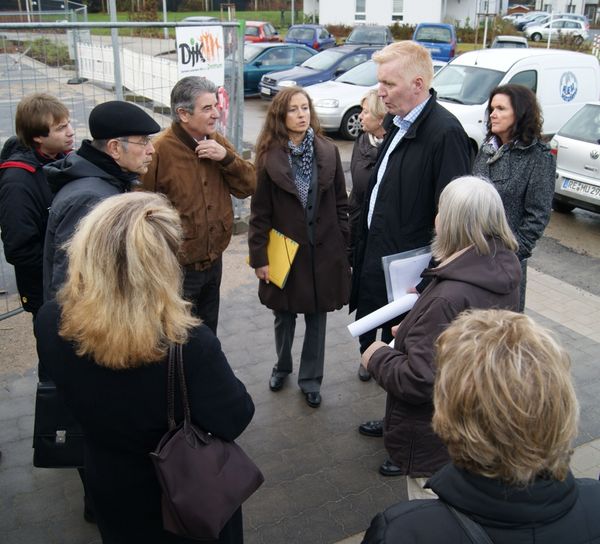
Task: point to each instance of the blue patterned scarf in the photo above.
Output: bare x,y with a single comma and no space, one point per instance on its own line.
301,163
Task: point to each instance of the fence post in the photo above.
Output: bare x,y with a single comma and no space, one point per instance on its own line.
114,35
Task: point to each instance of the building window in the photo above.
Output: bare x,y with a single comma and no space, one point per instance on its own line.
397,10
360,10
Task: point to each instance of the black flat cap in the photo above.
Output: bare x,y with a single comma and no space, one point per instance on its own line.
117,118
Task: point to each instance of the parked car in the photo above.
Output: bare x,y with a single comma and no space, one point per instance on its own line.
337,102
262,58
562,80
513,17
555,16
315,36
533,15
439,38
260,31
557,28
323,66
577,149
370,35
509,41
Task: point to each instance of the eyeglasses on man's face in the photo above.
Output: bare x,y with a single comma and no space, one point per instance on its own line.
146,140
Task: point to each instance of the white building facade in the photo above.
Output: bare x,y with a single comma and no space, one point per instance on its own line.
411,12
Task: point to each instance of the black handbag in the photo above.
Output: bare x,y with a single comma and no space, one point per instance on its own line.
203,479
57,437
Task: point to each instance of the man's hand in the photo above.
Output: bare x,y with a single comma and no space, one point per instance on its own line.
210,149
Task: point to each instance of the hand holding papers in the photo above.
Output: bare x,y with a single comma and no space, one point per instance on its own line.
402,273
281,252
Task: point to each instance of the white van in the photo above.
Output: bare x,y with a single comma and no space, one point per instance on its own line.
563,81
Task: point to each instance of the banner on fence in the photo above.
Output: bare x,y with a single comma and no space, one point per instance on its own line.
200,52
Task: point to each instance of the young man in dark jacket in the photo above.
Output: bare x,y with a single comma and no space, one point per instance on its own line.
44,134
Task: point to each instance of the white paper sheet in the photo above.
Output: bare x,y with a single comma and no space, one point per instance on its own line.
406,273
387,312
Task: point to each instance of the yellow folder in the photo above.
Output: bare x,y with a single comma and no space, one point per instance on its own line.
281,252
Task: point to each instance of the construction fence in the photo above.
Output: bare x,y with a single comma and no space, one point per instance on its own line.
85,64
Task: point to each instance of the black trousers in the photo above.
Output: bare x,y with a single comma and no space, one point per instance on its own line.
202,289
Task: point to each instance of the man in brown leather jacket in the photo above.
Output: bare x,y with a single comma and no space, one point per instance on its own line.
199,170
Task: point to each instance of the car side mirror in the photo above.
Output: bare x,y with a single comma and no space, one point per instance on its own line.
339,72
258,63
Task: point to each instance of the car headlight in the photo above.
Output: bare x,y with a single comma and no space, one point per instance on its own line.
287,83
327,103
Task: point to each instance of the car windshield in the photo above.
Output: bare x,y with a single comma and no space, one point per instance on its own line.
433,34
465,84
584,125
503,44
300,34
367,35
364,74
323,60
251,51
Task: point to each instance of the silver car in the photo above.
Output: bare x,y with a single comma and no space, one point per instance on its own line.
556,29
577,149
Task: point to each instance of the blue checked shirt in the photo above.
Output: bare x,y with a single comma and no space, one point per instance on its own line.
403,124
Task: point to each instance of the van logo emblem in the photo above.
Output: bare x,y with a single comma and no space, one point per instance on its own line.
594,154
568,86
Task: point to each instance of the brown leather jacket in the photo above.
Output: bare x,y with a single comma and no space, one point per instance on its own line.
200,190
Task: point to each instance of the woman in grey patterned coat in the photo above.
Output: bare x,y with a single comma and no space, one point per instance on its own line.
519,165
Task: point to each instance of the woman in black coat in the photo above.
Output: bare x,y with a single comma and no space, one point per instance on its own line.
506,409
104,342
301,193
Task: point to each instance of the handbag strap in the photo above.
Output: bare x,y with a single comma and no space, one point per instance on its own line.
175,367
474,531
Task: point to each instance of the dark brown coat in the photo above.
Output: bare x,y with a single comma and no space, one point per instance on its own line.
407,372
319,280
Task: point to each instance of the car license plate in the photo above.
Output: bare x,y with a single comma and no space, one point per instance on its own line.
581,188
263,90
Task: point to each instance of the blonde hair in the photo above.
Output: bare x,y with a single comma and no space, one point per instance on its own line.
121,302
470,209
415,60
504,400
374,104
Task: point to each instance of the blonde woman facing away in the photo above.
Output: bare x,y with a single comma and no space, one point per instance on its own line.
104,342
506,409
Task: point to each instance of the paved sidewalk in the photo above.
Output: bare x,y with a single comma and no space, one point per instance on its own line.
322,484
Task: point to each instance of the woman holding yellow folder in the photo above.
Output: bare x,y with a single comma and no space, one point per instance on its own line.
301,194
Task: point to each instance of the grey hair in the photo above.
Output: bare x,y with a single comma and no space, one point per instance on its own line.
185,92
374,103
470,209
101,144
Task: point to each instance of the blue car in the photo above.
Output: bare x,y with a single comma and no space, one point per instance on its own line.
261,58
439,38
323,66
315,36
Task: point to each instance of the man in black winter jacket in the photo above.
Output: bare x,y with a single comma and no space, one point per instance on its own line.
44,134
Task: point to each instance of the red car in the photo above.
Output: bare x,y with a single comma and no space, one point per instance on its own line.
260,31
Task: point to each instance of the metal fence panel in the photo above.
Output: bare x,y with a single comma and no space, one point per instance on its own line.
76,63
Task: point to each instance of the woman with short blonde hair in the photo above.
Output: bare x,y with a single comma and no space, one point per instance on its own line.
104,342
504,401
506,408
477,269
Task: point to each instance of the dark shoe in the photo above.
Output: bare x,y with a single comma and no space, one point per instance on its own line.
276,382
88,511
389,469
371,428
363,374
313,399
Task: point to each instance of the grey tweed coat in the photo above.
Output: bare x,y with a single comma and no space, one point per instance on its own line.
524,177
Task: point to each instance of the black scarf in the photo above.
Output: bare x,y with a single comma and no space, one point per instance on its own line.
106,163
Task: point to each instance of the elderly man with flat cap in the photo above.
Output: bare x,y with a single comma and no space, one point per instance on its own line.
110,164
